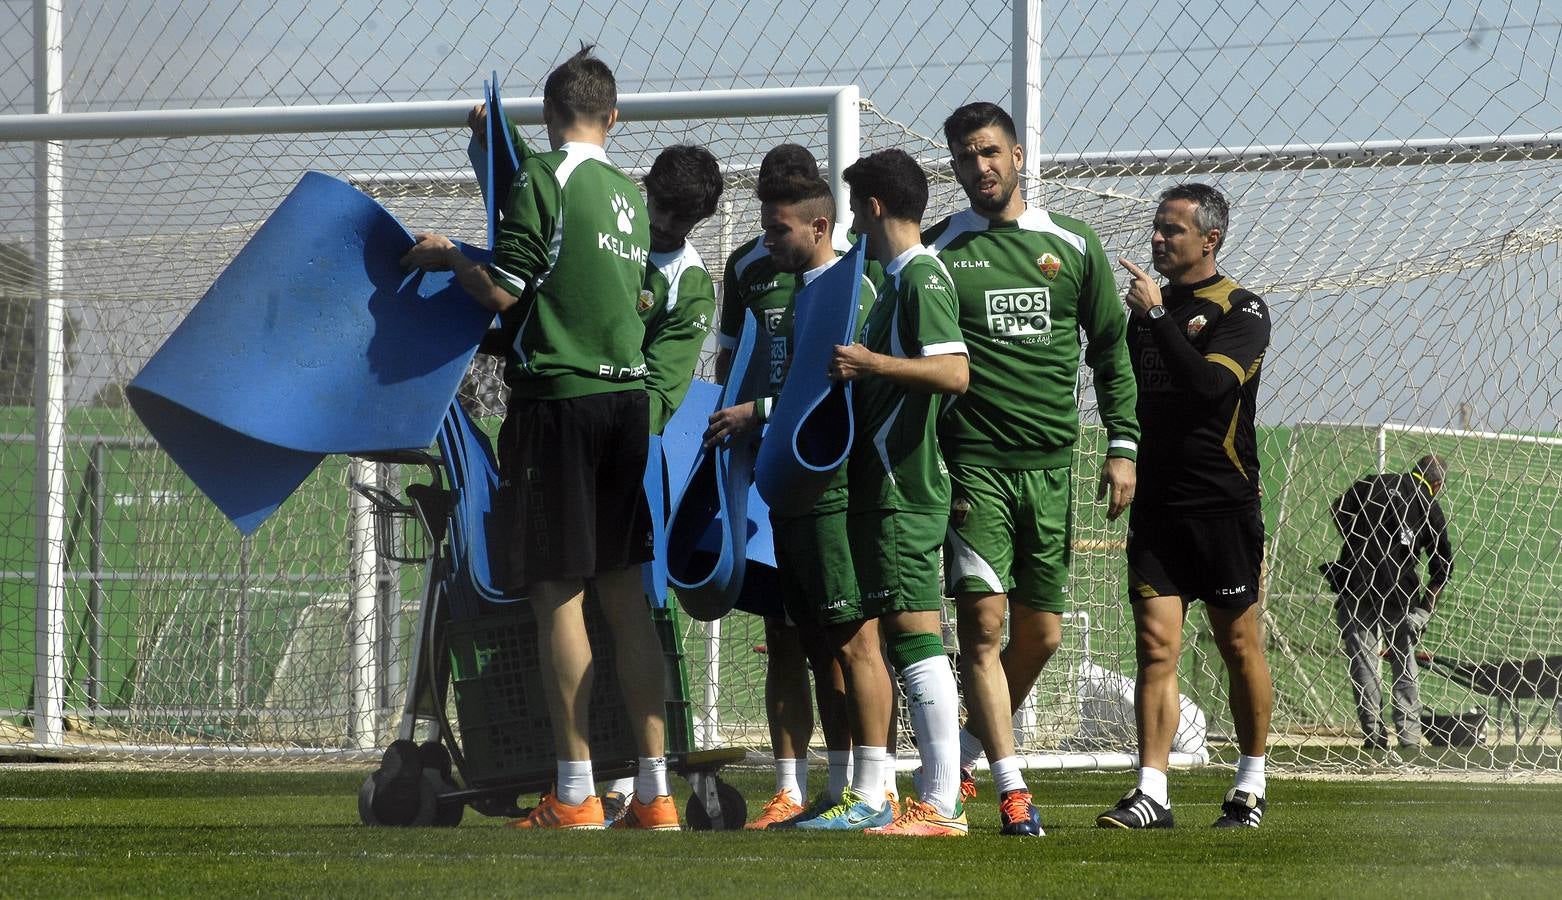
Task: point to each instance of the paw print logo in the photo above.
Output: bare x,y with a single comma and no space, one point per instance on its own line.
626,213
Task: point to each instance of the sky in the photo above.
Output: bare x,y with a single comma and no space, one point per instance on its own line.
1117,75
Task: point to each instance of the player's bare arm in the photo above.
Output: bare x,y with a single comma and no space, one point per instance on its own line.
436,253
946,373
726,424
723,365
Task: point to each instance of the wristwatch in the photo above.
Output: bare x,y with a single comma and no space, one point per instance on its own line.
1156,312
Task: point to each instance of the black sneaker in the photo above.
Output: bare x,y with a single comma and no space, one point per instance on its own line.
1135,810
614,805
1242,809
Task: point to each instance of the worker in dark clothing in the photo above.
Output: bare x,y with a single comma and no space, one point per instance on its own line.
1388,522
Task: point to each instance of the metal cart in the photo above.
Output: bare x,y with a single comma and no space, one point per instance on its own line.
477,645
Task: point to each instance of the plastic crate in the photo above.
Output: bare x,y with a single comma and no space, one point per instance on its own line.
506,732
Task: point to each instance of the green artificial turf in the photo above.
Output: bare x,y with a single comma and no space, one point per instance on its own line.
73,832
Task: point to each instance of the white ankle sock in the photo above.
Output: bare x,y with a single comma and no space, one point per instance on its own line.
651,782
891,770
970,750
1153,783
786,780
574,782
1007,776
868,775
1250,775
840,773
619,786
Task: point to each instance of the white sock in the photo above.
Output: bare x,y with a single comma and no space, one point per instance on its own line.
868,775
786,780
891,770
934,702
800,774
970,750
1153,783
619,786
1007,776
574,782
840,773
651,782
1250,775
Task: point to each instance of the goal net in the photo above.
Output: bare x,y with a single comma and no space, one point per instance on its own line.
1394,180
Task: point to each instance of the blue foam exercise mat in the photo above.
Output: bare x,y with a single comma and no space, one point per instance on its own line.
653,575
496,160
312,341
811,429
708,529
682,441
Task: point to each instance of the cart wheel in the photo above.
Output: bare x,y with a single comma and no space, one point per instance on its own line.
434,756
443,813
436,765
397,793
734,811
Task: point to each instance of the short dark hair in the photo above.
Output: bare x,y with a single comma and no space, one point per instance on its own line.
1431,468
789,158
811,194
582,87
1213,212
894,178
685,180
974,117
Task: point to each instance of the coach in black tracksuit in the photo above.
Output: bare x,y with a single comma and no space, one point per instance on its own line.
1387,522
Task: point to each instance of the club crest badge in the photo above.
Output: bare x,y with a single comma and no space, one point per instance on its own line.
1050,265
1196,325
645,301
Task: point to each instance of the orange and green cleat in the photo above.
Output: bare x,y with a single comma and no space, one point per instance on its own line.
660,814
918,819
550,813
780,808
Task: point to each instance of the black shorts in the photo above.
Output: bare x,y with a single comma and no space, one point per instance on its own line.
572,486
1216,559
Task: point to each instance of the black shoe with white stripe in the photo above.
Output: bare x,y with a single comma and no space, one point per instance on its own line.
1242,809
1136,810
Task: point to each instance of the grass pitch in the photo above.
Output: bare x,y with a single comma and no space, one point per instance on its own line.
67,833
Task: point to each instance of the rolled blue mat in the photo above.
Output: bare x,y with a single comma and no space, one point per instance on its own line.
497,161
810,430
312,341
682,441
654,573
709,528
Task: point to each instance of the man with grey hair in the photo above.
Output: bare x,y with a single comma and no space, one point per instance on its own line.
1196,531
1387,522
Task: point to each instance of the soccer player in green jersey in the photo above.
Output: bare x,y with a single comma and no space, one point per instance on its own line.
1029,282
751,282
1197,530
813,559
679,299
910,352
567,268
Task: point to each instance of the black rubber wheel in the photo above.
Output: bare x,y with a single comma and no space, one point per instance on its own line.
436,764
397,793
434,756
734,811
